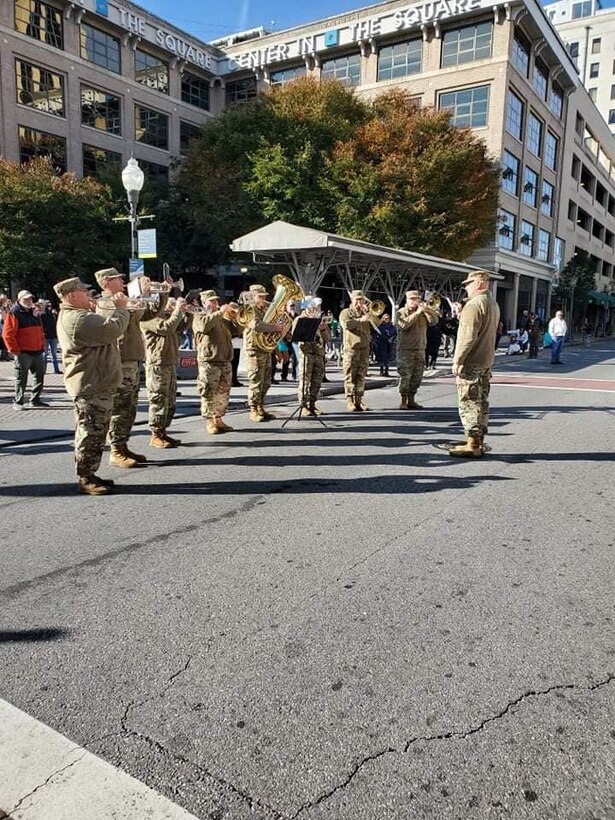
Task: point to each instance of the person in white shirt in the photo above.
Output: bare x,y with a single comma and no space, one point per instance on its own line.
557,331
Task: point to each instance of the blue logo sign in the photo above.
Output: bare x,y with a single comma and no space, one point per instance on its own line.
102,7
136,267
332,38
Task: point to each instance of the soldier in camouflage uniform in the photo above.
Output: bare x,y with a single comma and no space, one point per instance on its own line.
162,351
92,373
214,351
258,362
357,326
132,353
311,365
474,355
412,323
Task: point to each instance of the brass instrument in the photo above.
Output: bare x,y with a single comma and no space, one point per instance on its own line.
141,302
286,290
375,308
231,314
166,287
434,302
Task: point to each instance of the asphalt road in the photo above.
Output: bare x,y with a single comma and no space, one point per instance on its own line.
338,622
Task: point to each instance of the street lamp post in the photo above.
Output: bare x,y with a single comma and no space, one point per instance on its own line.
132,180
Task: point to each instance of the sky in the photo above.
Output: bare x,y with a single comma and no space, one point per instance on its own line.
209,20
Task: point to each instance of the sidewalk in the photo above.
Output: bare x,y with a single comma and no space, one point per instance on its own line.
57,421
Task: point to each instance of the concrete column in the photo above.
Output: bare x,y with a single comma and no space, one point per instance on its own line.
515,300
534,292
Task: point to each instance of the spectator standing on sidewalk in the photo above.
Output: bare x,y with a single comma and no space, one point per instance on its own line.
557,331
92,374
23,336
5,309
534,331
49,318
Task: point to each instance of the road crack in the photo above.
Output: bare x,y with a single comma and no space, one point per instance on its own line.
51,777
460,735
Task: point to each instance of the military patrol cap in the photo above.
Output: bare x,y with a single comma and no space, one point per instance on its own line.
476,276
256,289
208,294
107,273
357,294
413,294
67,286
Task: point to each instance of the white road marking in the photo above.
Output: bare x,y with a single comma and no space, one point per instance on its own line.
45,776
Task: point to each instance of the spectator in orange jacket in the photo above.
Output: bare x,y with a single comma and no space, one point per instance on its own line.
23,336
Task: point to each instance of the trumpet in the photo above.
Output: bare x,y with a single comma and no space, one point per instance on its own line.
141,302
166,287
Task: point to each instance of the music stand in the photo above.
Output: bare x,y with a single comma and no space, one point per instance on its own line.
304,330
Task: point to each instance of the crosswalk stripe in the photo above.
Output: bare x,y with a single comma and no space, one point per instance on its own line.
45,776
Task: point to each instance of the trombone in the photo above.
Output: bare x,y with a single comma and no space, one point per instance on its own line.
375,308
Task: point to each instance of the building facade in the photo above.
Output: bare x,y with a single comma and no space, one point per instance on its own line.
96,81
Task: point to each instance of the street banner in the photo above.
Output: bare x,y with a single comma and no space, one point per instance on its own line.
147,243
136,267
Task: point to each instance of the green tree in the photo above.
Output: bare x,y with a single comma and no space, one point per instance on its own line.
576,280
409,178
53,227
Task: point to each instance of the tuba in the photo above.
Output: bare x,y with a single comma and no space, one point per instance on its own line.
286,290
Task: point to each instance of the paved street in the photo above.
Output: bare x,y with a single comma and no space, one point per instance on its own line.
321,623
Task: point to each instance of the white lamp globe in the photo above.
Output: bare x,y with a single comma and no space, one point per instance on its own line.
132,176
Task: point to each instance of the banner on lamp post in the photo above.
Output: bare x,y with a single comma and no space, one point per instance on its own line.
136,267
147,243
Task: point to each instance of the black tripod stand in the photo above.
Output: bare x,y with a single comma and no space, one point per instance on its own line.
304,330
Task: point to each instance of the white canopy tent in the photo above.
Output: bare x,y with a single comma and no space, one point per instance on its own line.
310,254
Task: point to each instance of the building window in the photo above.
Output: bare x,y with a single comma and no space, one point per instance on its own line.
99,163
540,79
155,174
286,75
464,45
530,187
551,148
469,108
534,135
611,116
594,69
520,55
510,173
400,60
526,239
583,9
151,71
151,127
345,69
592,93
556,101
195,90
506,231
544,242
240,91
596,45
514,115
101,110
38,144
39,88
41,21
547,198
187,132
100,48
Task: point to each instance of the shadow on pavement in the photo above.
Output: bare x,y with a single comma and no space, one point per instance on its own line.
32,635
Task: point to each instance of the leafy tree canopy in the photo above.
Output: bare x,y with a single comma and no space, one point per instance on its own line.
579,274
315,154
53,227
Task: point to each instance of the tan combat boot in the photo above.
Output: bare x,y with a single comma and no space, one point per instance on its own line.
264,413
412,405
88,486
211,427
140,459
350,404
119,457
472,449
223,427
158,440
255,414
173,442
403,404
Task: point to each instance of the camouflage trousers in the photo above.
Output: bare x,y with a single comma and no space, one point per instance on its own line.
92,417
312,369
473,394
355,365
258,369
410,366
161,383
214,386
125,405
